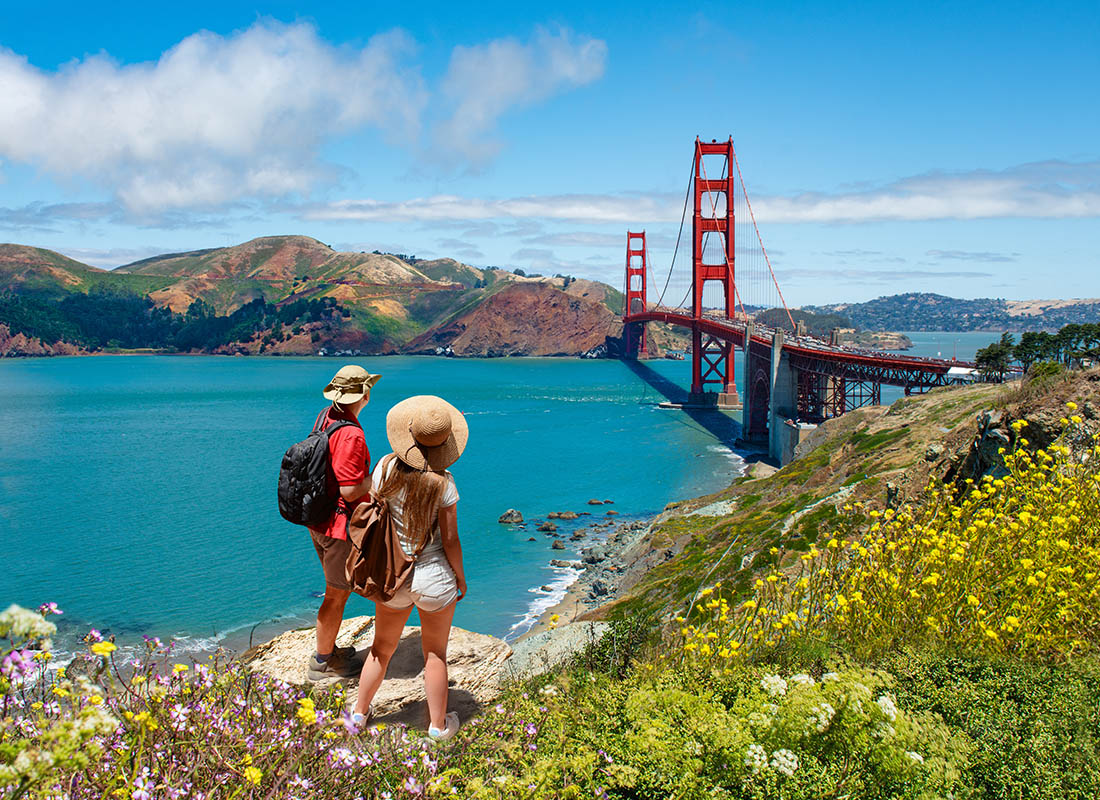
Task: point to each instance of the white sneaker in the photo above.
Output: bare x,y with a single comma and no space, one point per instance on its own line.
452,725
360,721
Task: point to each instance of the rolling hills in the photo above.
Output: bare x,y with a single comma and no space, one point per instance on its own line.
296,295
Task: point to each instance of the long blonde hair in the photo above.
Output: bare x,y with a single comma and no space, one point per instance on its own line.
423,492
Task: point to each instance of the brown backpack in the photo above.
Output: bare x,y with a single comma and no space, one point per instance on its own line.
377,566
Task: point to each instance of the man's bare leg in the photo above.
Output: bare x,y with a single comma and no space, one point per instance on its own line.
329,617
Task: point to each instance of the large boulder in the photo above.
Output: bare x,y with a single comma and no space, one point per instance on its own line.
474,663
539,652
511,516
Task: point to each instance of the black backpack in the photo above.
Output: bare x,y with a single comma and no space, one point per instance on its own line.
303,478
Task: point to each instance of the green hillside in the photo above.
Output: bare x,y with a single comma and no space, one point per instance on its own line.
380,301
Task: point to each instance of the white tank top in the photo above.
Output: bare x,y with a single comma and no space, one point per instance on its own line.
434,546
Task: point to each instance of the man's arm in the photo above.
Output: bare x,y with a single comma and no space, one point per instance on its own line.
350,463
356,491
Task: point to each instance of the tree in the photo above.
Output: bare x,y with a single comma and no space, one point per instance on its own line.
1034,346
994,361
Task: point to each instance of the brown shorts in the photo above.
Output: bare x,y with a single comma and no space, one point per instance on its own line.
334,556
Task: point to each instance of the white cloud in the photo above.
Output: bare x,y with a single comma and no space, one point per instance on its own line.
878,275
573,207
1045,190
969,255
215,118
111,257
1051,189
579,239
484,81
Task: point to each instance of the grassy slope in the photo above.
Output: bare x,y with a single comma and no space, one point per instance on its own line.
859,454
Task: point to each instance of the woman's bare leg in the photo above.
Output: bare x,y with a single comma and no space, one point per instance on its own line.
435,630
388,624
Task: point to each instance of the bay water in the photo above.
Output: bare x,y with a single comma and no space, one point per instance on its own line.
138,492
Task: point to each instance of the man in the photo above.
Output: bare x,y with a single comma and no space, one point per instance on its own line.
349,483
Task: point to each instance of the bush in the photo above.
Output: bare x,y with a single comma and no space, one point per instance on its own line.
1036,727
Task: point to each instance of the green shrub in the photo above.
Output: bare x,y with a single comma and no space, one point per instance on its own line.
1036,727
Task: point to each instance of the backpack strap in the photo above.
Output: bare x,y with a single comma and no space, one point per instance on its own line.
335,425
385,469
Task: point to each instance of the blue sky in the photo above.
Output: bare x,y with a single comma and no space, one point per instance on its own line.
950,147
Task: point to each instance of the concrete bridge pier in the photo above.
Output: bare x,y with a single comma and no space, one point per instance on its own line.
771,398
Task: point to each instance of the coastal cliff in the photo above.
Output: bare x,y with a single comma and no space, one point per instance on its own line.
530,319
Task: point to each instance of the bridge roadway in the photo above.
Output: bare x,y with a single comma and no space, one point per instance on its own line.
910,372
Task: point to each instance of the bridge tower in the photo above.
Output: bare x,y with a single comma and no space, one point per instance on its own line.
712,359
634,300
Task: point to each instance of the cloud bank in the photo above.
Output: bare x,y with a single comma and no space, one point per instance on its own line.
1046,190
221,118
214,119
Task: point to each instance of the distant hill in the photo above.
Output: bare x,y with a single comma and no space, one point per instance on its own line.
934,312
290,294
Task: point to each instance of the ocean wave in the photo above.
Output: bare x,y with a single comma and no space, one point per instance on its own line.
731,454
564,577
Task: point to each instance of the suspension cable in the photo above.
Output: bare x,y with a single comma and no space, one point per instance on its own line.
763,249
683,216
714,215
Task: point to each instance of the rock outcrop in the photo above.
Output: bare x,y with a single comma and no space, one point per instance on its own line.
525,319
475,662
20,345
510,517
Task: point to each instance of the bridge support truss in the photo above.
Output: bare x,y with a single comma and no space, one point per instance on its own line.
822,396
713,358
634,298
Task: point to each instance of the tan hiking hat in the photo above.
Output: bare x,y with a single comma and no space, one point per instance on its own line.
427,432
350,384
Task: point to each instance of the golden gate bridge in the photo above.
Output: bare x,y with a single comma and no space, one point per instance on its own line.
791,378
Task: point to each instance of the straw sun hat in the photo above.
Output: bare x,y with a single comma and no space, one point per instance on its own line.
427,432
350,384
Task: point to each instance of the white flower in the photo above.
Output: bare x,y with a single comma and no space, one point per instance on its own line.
828,677
500,780
773,685
758,720
97,721
18,623
884,731
548,691
889,709
801,679
820,717
784,761
756,759
917,757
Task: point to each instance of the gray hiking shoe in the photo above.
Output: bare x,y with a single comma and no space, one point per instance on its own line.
343,663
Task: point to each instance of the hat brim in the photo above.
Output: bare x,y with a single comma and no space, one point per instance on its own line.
418,456
339,394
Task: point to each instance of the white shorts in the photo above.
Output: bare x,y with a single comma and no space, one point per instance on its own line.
433,586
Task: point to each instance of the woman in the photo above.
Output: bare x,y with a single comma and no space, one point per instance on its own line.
427,435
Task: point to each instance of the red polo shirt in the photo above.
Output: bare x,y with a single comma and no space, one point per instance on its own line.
348,465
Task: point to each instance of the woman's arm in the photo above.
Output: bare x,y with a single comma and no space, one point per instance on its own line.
452,548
